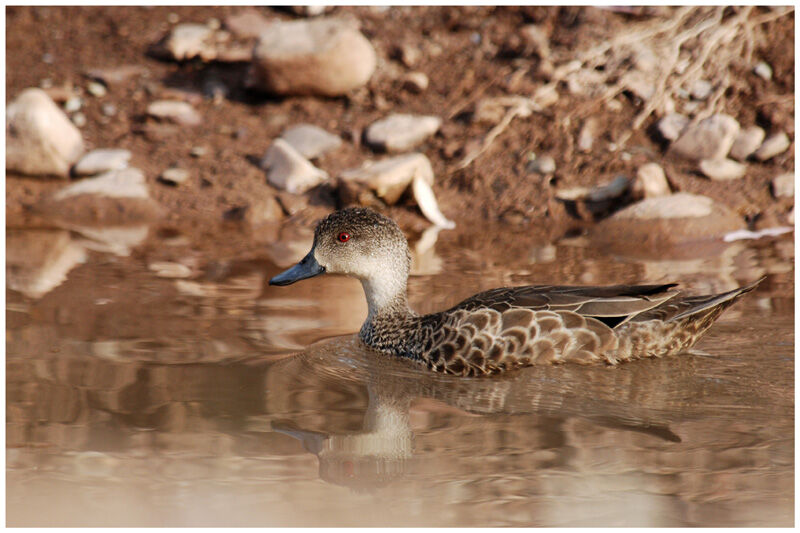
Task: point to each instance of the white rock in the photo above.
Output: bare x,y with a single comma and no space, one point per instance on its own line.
747,142
722,169
678,205
711,138
701,89
390,177
774,145
323,56
174,111
651,181
102,160
288,170
122,183
247,24
542,165
174,175
188,40
783,185
587,135
671,126
416,82
763,70
168,269
400,132
96,89
311,141
40,139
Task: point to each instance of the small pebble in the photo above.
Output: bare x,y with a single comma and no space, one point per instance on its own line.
173,18
96,89
73,104
671,126
408,55
722,169
763,70
747,142
174,176
79,119
101,160
46,83
109,109
416,82
587,134
783,185
198,151
166,269
651,181
701,89
774,145
542,165
213,23
47,58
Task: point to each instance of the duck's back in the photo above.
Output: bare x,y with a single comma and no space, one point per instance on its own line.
506,328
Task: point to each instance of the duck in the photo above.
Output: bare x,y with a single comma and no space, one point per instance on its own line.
506,328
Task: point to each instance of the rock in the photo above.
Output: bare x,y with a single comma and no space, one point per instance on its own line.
198,151
102,160
311,141
288,170
114,75
122,183
722,169
389,178
747,142
108,109
79,119
408,55
187,41
542,165
168,269
536,40
174,111
398,133
40,139
711,138
247,24
310,11
651,181
415,82
96,89
174,176
783,185
666,221
587,135
763,70
639,83
671,126
323,56
701,89
73,104
774,145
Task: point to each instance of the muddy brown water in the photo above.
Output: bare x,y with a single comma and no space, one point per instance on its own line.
217,400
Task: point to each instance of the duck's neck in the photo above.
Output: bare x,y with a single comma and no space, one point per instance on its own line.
386,296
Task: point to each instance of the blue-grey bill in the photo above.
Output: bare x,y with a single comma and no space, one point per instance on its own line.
306,268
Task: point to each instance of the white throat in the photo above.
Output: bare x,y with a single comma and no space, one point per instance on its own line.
382,290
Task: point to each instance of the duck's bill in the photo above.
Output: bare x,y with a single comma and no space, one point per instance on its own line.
306,268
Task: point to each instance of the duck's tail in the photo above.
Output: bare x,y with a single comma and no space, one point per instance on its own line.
676,325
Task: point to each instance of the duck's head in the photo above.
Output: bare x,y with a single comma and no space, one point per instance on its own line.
356,242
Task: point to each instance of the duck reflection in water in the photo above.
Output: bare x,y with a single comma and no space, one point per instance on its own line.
382,450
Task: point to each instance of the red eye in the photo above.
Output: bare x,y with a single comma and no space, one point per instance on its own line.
344,236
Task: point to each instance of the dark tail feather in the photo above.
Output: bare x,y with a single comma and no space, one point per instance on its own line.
699,304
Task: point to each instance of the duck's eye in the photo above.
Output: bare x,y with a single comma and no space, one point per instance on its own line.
344,236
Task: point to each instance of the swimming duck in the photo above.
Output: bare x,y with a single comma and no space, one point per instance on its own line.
505,328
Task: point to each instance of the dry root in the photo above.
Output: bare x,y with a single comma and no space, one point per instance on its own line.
694,43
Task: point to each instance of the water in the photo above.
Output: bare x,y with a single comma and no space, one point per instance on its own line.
138,400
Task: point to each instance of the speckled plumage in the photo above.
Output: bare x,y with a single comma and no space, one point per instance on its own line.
506,328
